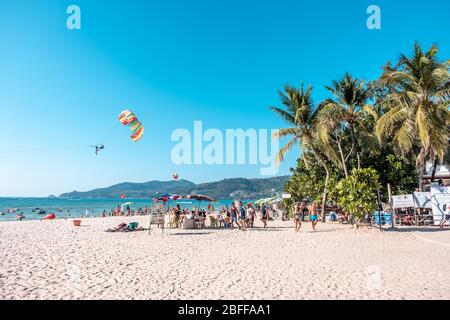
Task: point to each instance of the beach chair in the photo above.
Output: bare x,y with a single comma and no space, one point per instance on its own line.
172,221
201,223
188,224
220,220
132,226
213,222
157,217
227,221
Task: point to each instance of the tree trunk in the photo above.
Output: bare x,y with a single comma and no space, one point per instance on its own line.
325,194
327,178
355,144
344,164
421,167
435,163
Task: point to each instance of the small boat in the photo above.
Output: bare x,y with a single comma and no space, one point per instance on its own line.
12,210
51,216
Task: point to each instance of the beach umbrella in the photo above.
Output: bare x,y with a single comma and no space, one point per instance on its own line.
265,201
166,198
200,198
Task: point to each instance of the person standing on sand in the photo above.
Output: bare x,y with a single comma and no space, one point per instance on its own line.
446,215
264,215
234,214
251,215
304,209
313,215
242,216
177,215
297,217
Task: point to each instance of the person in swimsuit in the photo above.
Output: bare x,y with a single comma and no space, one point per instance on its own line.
234,214
297,217
242,216
313,215
177,215
264,215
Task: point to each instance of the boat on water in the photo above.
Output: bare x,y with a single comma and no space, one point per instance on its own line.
11,210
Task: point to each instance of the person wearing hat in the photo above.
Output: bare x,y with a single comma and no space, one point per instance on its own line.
251,215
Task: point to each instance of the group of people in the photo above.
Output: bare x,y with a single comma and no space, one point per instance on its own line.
302,210
127,212
237,215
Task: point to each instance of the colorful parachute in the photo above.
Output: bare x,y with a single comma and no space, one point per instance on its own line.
129,119
175,176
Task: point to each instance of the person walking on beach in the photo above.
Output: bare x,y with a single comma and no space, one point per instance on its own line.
251,215
304,210
264,215
446,215
242,216
297,217
313,215
177,215
234,214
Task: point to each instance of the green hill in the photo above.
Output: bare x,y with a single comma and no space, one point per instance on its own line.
227,188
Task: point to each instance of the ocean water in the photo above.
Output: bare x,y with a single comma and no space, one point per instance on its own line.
75,208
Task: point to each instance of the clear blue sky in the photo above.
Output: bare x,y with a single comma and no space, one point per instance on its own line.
173,62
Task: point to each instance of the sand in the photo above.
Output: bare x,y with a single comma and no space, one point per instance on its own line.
55,260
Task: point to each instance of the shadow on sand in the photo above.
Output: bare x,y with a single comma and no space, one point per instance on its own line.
418,229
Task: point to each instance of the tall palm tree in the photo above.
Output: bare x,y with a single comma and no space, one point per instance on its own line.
301,115
346,109
417,113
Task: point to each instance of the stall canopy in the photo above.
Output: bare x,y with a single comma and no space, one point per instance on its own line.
422,200
403,201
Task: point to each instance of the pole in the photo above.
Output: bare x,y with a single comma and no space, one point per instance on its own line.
390,206
380,207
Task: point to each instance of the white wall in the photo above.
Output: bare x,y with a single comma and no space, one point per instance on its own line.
440,169
440,197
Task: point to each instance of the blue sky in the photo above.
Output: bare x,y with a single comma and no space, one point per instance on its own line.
173,62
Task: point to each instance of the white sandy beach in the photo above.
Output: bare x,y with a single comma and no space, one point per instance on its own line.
55,260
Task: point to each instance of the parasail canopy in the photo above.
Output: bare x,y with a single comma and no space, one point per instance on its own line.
128,118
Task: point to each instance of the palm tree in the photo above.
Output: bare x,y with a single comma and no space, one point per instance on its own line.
301,114
346,111
417,114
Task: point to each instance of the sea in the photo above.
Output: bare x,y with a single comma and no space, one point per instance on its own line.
37,208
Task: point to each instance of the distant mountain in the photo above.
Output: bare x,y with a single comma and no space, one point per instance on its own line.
227,188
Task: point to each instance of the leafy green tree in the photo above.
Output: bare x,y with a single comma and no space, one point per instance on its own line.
417,111
357,194
346,112
301,115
